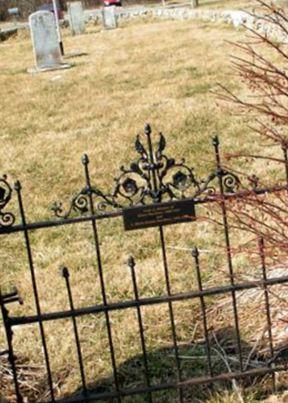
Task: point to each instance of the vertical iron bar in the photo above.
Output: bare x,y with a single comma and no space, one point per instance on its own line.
171,313
157,198
195,254
267,303
131,264
284,148
35,290
65,274
152,167
11,357
85,161
219,174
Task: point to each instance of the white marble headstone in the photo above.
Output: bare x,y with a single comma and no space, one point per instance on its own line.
76,18
45,41
109,17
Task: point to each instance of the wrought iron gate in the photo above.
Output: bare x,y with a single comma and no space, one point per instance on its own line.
152,179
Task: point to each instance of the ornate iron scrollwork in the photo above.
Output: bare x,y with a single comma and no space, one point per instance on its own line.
152,178
7,219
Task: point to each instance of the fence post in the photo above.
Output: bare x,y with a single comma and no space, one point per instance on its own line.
5,299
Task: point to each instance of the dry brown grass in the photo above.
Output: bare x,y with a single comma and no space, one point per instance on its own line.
160,72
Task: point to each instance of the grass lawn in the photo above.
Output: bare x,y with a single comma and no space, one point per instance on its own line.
163,73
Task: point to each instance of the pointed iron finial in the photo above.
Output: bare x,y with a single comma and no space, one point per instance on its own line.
17,186
131,262
215,141
195,252
85,159
65,272
147,129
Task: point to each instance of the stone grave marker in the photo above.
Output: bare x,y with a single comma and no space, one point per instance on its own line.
45,42
109,17
76,18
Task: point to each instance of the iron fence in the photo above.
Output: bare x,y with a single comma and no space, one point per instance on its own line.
153,179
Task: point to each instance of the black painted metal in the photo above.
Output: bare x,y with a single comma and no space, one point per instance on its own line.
35,288
131,264
6,219
66,275
219,173
91,207
171,313
4,300
195,254
267,305
152,178
175,385
185,296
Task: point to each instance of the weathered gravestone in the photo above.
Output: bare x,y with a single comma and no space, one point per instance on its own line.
45,41
109,17
194,3
76,18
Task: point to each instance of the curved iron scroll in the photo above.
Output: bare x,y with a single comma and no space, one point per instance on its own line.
7,219
151,178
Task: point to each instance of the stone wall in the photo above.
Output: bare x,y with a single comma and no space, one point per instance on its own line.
232,17
235,18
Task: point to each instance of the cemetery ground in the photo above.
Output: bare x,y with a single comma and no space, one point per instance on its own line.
163,73
204,4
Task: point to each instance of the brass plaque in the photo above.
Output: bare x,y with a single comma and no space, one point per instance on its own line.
154,215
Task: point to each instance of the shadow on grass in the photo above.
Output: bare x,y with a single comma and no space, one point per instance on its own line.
163,370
